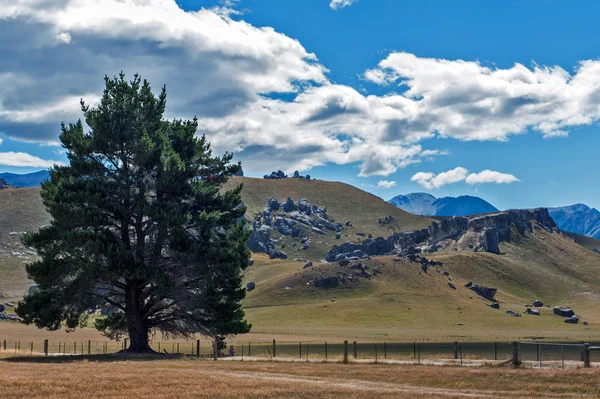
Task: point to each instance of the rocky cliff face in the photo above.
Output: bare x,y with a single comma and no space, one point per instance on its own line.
476,233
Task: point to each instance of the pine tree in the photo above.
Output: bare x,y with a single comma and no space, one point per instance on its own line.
141,225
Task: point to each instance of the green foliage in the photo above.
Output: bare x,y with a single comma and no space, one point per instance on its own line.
139,223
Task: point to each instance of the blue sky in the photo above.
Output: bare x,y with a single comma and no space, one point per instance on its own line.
322,93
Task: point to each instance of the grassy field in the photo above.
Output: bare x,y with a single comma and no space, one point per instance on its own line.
404,303
109,377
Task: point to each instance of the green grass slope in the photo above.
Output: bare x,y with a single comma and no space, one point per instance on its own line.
20,210
406,303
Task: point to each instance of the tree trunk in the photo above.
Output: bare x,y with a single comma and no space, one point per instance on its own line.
136,325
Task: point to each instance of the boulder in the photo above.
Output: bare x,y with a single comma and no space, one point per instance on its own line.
240,172
277,255
563,311
537,303
338,236
296,175
307,265
304,206
2,308
250,262
486,292
469,284
513,313
451,286
535,312
494,305
348,224
318,231
289,205
250,286
572,320
274,204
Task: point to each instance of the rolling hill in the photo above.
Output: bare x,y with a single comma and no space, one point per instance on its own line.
385,297
427,204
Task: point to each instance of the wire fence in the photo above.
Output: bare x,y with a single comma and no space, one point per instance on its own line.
537,353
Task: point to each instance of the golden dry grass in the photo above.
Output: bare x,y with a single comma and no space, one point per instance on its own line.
184,378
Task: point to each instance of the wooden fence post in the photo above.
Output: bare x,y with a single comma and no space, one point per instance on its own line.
125,344
300,349
581,352
326,350
215,349
385,350
355,351
197,347
345,352
455,350
586,355
89,347
516,361
274,348
46,347
495,350
414,350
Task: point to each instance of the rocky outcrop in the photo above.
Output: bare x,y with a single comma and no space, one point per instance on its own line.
3,184
486,292
484,231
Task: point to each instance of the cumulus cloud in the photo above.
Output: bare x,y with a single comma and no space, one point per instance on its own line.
24,159
339,4
386,184
432,180
261,94
490,176
469,101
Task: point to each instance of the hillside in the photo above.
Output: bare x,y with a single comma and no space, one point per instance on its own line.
20,210
427,204
520,253
404,302
359,213
578,218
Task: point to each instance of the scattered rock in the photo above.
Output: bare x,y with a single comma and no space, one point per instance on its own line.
446,273
307,265
494,305
535,312
387,220
250,262
469,284
251,286
572,320
348,224
486,292
563,311
344,262
537,303
289,205
513,313
451,286
274,204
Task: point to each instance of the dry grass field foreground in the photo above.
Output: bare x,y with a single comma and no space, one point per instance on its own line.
105,377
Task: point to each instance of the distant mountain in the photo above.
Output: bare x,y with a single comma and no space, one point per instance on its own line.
415,203
578,218
427,204
27,180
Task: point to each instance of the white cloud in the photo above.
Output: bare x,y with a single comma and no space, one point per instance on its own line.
339,4
432,180
1,141
63,38
386,184
490,176
224,71
24,159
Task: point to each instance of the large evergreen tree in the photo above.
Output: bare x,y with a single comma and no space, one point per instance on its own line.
140,224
